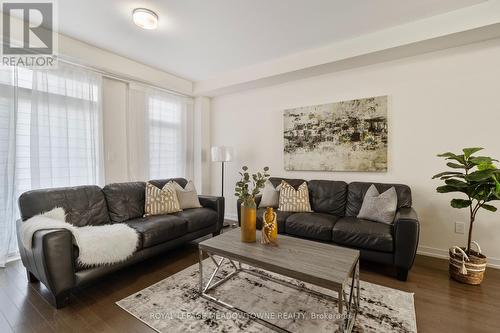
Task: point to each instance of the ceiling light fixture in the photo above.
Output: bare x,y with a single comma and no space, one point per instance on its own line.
145,18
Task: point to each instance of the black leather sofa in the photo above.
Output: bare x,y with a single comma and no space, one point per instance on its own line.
335,205
52,258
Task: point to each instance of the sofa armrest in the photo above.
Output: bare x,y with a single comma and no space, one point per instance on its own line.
258,198
217,204
406,236
50,258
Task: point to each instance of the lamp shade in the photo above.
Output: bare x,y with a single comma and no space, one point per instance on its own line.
222,154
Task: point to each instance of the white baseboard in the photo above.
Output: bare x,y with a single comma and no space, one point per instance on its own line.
443,254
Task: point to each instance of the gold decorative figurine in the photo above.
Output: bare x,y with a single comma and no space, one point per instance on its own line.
269,227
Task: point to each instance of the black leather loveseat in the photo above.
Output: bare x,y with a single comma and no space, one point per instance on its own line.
335,205
52,258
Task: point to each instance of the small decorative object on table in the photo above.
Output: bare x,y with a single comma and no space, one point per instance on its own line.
247,197
269,227
479,179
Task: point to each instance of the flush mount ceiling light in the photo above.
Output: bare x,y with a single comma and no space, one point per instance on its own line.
145,18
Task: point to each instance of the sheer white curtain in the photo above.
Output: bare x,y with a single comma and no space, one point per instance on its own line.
160,133
53,136
8,207
169,135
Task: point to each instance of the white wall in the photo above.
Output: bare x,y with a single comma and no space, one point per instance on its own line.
437,102
202,162
86,54
114,104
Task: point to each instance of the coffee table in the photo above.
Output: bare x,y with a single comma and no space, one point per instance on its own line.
324,265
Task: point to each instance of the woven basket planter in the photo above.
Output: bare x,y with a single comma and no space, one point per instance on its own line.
465,268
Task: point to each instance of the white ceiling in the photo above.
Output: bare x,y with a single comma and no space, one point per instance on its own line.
199,39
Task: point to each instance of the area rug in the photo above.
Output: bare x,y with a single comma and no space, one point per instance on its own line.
173,305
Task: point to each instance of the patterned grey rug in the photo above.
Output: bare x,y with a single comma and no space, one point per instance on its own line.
173,305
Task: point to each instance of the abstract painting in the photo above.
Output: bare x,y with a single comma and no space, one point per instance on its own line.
342,136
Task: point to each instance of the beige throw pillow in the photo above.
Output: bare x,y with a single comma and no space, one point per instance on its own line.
294,200
187,196
270,195
161,201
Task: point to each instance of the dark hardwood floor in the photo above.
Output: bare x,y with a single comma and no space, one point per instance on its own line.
442,305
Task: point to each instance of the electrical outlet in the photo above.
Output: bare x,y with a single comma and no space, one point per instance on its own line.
459,228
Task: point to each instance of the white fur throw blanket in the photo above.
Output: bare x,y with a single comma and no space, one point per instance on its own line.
98,245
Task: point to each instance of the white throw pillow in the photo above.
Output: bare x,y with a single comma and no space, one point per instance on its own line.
270,195
379,207
187,196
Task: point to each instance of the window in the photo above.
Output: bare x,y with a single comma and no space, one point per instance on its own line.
57,132
49,135
169,121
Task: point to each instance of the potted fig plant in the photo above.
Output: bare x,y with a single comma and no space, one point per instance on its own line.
476,178
247,196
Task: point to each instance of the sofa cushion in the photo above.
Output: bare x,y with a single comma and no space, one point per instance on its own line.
311,225
359,233
161,182
356,192
280,217
125,200
328,196
276,181
158,229
83,205
198,218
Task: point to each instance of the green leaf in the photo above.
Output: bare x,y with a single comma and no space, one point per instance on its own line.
497,190
455,165
448,154
446,173
489,207
480,175
460,203
482,159
456,183
486,166
449,189
451,156
469,151
454,176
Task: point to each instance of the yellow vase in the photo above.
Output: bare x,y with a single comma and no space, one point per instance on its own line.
269,227
248,221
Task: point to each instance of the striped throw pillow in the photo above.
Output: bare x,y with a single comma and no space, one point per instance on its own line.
161,200
294,200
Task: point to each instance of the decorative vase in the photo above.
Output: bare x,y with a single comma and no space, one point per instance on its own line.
269,227
248,221
467,268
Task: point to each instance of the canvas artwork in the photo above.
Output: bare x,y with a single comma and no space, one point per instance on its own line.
342,136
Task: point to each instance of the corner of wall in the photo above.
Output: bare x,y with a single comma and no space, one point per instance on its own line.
202,144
